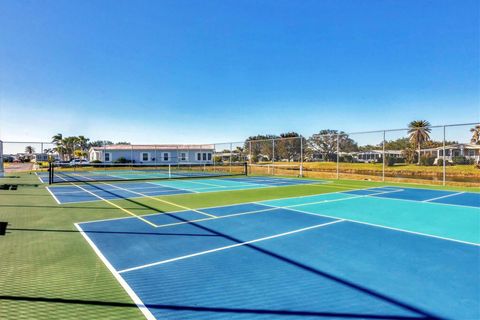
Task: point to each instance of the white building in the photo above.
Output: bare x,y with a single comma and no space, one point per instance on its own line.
153,154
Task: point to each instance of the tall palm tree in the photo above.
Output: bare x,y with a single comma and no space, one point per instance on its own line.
29,149
419,130
60,146
475,134
57,139
83,142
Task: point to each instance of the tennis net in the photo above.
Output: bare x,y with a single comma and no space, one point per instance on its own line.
62,173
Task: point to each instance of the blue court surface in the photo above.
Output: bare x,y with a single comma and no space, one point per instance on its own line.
379,253
124,190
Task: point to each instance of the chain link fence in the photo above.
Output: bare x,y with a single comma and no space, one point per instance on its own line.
447,154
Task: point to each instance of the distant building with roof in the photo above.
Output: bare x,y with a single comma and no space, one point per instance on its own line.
154,153
468,150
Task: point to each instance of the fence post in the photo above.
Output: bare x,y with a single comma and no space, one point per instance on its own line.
383,157
231,150
444,164
250,152
301,156
338,155
273,157
2,170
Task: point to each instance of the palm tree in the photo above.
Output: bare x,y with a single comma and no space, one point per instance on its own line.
418,131
57,139
60,146
29,149
475,134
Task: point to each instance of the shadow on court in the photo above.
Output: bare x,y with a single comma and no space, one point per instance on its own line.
213,309
377,295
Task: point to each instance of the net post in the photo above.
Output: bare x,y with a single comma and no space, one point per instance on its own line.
383,157
301,156
2,168
245,168
338,155
444,169
50,172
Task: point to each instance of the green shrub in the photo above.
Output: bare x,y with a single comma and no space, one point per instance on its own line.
462,160
390,161
96,161
122,160
346,158
427,161
399,160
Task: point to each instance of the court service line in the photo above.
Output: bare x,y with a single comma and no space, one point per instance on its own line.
378,226
269,208
117,206
161,200
166,186
229,205
229,247
113,204
446,196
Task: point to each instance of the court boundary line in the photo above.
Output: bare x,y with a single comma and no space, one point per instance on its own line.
284,198
124,284
40,179
381,226
54,197
214,207
148,265
347,197
214,191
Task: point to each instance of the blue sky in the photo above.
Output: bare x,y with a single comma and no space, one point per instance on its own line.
210,71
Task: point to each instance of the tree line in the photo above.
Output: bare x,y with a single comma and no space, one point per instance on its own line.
323,145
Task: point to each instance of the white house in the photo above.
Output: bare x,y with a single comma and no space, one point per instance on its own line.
468,150
374,155
154,154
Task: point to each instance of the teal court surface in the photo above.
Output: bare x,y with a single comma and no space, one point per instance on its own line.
376,253
72,193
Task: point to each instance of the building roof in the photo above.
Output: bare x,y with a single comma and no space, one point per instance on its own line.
155,147
455,146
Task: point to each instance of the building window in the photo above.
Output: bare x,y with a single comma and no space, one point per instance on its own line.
204,157
471,152
166,156
108,157
209,156
199,156
183,156
145,156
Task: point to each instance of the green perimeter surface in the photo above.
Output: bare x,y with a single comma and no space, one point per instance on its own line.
48,271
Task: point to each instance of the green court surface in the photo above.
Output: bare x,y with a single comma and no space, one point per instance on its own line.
48,271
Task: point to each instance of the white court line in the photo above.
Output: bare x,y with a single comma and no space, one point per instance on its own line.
263,210
229,247
446,196
163,201
223,206
379,226
166,186
38,176
117,276
54,197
